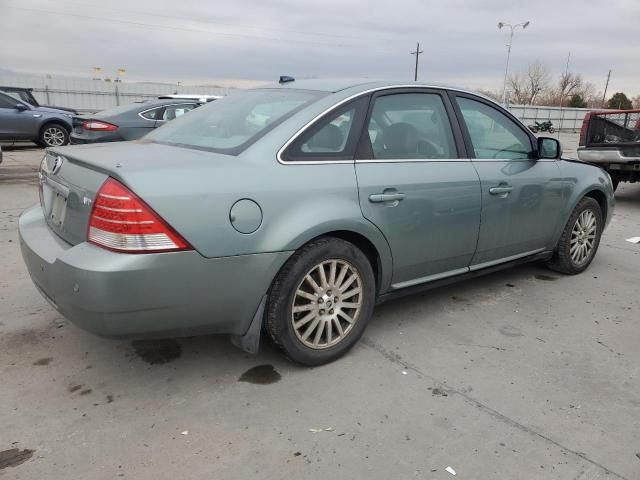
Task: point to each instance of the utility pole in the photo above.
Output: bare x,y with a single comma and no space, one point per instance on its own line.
417,54
604,95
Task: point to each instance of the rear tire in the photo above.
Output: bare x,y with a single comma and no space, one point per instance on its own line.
53,135
321,301
579,240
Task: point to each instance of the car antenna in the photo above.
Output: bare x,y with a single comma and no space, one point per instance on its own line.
286,79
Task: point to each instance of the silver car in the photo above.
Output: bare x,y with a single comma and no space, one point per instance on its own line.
294,209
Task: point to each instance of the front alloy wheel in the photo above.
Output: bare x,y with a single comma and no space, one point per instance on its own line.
54,136
580,238
321,301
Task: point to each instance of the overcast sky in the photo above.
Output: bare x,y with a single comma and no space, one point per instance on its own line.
197,41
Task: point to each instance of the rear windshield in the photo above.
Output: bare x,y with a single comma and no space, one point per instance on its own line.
231,124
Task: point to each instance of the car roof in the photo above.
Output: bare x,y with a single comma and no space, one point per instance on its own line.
334,85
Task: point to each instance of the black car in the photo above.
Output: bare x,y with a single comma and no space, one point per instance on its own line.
128,122
26,95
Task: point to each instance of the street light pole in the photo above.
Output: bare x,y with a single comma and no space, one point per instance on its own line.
506,69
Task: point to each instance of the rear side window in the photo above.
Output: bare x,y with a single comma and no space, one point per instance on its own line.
493,134
231,124
153,114
333,137
411,126
171,112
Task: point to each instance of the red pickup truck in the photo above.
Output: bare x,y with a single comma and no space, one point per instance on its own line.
611,139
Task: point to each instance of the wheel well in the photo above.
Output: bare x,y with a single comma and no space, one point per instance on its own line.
364,244
599,197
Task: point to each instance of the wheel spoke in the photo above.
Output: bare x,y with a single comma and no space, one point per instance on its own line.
338,327
311,328
349,305
345,316
303,321
313,283
348,282
307,295
323,276
303,308
332,272
341,275
330,331
351,293
319,331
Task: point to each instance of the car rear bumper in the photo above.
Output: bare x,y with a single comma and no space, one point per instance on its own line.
139,295
605,156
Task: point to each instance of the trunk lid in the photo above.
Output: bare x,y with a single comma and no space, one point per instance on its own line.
71,176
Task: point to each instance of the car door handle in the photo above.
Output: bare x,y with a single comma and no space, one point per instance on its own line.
386,197
504,190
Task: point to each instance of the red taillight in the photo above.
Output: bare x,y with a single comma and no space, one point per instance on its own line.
123,222
585,127
96,125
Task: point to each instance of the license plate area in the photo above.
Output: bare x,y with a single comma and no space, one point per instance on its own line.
54,197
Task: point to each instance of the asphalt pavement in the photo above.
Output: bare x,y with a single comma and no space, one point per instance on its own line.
522,374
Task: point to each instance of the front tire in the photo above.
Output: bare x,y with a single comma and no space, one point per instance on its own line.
321,301
53,135
580,239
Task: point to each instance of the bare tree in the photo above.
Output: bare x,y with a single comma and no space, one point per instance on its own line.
493,94
537,79
636,101
525,87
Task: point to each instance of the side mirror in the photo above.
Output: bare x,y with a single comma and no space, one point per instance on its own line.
549,148
21,107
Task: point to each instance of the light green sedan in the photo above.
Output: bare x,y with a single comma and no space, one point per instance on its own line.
294,209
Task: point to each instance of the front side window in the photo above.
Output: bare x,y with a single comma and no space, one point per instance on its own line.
410,126
7,102
232,123
493,134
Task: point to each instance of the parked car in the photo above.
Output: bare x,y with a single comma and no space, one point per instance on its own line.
347,195
46,126
26,95
611,139
128,122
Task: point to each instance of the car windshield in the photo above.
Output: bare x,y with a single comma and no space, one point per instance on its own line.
231,124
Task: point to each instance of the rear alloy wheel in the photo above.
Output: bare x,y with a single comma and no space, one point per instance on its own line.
580,238
321,301
54,135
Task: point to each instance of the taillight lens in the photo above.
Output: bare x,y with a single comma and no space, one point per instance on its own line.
585,127
123,222
96,125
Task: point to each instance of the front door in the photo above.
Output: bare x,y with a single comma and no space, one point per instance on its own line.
416,187
521,195
16,124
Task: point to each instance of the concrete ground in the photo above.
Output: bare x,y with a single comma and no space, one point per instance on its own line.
523,374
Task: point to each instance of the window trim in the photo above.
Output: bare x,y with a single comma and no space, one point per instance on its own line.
360,106
364,153
533,154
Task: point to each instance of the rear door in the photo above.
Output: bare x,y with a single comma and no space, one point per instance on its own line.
521,195
416,186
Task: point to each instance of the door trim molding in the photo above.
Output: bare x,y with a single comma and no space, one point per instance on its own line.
491,263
